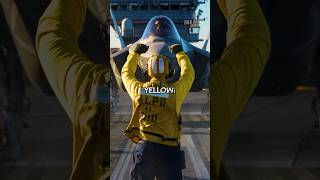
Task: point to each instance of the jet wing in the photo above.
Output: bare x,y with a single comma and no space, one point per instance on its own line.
200,60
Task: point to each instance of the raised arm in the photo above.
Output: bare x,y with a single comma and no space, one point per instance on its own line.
71,75
128,71
187,76
236,75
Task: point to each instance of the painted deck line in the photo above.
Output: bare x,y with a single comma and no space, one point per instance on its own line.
198,164
200,169
122,165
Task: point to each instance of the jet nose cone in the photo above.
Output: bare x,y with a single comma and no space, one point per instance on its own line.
157,48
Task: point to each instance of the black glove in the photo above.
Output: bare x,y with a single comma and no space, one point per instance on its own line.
140,48
175,48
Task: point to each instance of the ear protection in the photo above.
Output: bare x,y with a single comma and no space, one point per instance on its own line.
170,66
158,65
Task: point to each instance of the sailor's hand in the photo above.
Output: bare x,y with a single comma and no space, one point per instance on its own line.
175,48
140,48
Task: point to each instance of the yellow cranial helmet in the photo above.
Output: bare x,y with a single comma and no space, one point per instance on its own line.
158,65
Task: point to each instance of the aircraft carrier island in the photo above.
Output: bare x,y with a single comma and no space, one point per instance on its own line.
133,15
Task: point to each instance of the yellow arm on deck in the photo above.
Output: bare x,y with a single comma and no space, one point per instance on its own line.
236,74
75,81
66,67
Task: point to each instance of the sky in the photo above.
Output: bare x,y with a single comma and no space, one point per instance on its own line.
204,25
204,28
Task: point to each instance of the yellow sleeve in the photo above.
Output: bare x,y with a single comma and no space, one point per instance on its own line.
236,74
185,81
128,71
71,75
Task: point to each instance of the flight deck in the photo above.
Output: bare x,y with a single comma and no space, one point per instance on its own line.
274,139
195,139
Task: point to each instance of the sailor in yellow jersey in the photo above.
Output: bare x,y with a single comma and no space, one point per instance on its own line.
236,74
75,79
79,84
155,124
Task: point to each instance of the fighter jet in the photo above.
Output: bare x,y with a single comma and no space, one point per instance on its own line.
159,34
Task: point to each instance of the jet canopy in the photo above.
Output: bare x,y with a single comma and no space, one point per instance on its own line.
162,27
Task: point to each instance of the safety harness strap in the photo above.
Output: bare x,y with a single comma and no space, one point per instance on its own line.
159,135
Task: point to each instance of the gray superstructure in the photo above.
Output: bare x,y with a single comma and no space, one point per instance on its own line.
133,16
